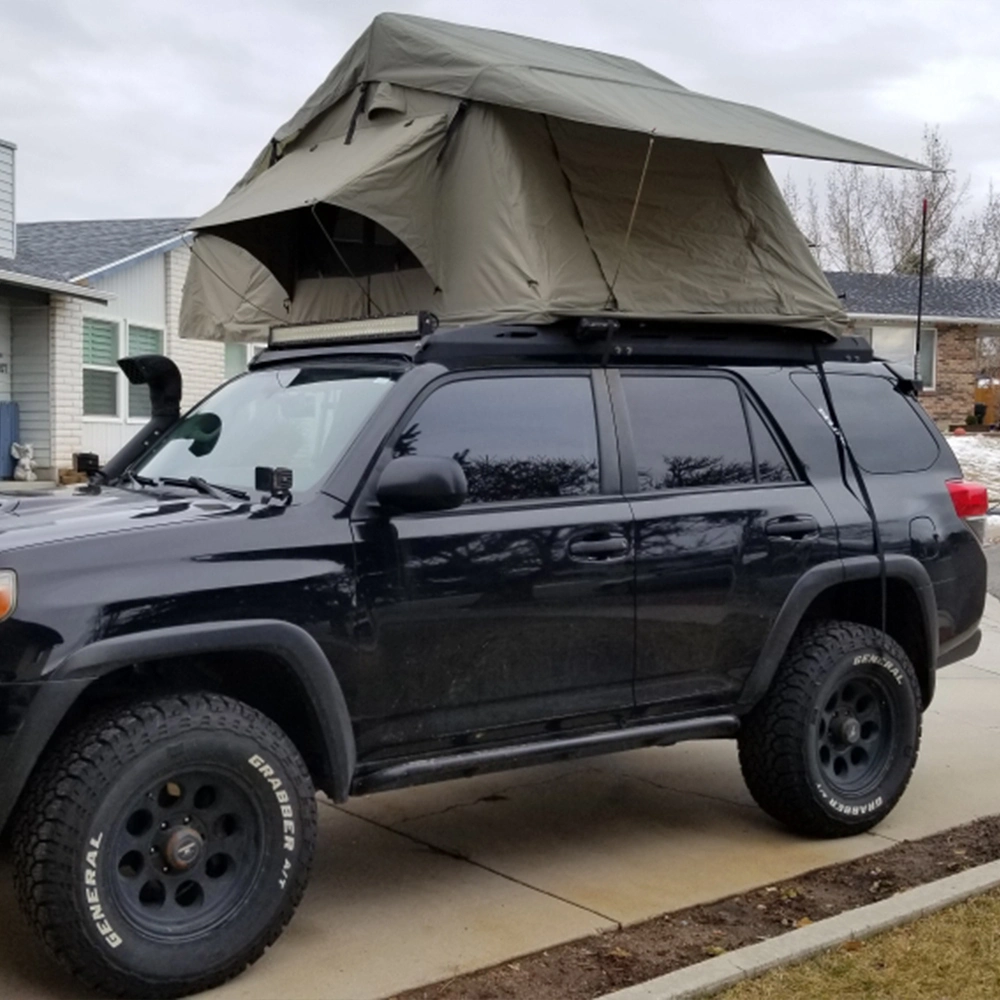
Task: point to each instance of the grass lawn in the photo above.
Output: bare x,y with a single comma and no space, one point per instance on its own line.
952,955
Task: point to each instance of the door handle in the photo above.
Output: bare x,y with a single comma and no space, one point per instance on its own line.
792,527
596,548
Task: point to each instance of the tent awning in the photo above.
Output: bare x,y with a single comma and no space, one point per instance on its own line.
595,88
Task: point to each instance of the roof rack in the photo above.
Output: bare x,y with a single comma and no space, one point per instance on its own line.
599,339
613,341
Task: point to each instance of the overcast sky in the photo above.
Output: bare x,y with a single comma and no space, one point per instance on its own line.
133,108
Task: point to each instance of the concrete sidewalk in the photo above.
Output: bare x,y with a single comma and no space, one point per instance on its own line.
416,886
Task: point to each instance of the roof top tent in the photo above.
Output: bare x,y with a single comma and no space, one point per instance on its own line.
490,177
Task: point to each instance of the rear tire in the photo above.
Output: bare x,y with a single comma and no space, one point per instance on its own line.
166,844
830,748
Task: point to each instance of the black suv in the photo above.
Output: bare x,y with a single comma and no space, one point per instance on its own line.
387,556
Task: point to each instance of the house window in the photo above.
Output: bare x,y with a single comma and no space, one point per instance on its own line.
142,340
236,360
898,345
100,370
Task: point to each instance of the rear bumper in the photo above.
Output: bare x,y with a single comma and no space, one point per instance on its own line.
960,647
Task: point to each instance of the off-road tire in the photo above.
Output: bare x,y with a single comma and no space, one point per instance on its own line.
838,680
89,843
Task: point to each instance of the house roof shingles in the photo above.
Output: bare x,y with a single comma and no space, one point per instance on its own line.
62,251
896,295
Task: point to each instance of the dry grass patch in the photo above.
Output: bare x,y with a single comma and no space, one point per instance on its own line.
952,955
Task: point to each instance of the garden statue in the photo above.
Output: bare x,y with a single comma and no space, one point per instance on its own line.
24,454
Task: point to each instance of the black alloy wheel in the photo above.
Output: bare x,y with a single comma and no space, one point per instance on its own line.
165,844
855,730
189,850
829,750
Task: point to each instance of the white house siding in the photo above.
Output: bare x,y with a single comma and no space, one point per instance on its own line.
30,372
139,299
65,379
202,362
7,231
5,351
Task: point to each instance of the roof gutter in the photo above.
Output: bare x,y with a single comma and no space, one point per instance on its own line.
912,318
60,287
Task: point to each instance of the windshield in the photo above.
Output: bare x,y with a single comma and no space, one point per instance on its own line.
301,419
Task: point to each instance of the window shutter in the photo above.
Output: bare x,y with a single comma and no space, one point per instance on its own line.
100,342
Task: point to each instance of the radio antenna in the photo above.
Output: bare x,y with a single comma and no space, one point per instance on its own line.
920,291
612,302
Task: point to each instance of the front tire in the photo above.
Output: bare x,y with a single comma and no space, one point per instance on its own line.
165,845
830,748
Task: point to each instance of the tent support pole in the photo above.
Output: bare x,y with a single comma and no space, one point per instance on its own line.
612,302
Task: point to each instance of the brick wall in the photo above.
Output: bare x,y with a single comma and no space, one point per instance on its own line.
65,378
956,369
955,378
202,362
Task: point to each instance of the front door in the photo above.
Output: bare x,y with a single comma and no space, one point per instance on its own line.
515,610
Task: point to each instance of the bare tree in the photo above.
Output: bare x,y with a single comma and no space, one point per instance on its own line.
805,212
974,249
852,221
871,218
900,206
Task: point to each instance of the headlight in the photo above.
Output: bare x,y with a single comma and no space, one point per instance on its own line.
8,593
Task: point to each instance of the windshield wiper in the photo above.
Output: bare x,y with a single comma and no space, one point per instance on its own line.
133,477
202,486
194,482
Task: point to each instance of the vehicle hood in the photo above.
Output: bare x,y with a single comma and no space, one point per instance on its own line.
28,519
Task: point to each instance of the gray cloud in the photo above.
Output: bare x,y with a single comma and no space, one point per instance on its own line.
143,107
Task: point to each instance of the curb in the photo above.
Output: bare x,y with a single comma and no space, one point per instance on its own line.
716,974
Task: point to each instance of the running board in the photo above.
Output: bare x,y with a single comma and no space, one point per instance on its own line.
468,763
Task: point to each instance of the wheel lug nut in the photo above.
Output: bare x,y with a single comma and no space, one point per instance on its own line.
187,819
166,870
152,850
163,826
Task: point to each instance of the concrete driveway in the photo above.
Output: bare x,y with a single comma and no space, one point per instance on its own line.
416,886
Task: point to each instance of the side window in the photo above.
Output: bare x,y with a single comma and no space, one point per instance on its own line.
883,426
772,466
519,438
688,432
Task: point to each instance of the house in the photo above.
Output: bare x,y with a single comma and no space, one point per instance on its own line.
960,317
74,298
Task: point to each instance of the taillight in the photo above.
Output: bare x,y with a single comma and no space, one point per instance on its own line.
970,499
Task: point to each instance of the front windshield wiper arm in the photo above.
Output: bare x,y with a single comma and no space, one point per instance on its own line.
194,482
202,486
128,476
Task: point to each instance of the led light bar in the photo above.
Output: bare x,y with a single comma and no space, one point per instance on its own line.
380,328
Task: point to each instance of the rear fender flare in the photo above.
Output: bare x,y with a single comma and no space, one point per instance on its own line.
820,578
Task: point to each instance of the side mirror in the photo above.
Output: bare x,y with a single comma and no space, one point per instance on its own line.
413,483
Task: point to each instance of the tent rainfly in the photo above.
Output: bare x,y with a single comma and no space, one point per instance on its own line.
488,176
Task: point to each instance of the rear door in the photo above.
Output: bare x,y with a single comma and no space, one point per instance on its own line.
516,609
724,525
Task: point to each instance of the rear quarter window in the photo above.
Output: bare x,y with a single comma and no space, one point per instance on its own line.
885,429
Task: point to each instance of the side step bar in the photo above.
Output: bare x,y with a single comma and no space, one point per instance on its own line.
467,763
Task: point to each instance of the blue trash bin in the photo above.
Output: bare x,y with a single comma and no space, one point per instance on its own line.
10,431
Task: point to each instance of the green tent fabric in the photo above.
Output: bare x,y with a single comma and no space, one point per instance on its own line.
486,176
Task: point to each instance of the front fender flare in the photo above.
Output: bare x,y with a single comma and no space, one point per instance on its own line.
67,680
811,584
